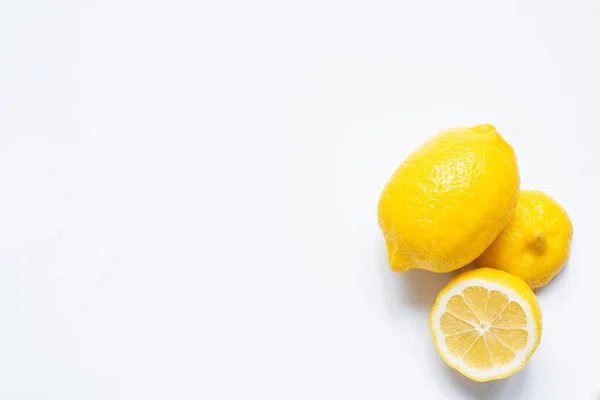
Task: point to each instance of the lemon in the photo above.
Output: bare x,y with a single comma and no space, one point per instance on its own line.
535,244
449,200
486,324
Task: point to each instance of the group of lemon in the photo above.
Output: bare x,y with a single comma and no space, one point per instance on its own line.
456,200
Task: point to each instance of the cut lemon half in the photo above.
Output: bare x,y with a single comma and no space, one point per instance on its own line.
486,324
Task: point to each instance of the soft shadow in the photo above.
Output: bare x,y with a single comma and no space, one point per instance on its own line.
556,283
417,287
422,287
508,388
391,283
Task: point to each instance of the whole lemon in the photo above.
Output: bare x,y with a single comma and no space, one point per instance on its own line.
535,244
449,200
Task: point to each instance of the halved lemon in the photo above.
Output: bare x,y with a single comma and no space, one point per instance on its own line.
486,324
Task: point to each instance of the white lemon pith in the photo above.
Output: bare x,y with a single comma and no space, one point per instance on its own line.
486,324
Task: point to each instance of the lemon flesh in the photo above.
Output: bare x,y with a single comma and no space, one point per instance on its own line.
486,324
449,199
536,243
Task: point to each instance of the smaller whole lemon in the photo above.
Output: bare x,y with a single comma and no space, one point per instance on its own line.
535,244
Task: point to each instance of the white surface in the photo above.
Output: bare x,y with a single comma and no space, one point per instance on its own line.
188,192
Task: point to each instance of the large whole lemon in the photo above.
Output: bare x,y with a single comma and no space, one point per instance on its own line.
535,244
449,200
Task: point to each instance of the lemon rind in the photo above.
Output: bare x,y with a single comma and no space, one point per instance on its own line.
496,372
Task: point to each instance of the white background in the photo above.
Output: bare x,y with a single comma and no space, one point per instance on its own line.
188,192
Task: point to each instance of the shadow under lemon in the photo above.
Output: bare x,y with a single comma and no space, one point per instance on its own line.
556,284
417,287
507,388
420,288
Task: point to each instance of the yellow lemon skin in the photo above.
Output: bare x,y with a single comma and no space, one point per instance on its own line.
449,199
536,243
499,279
